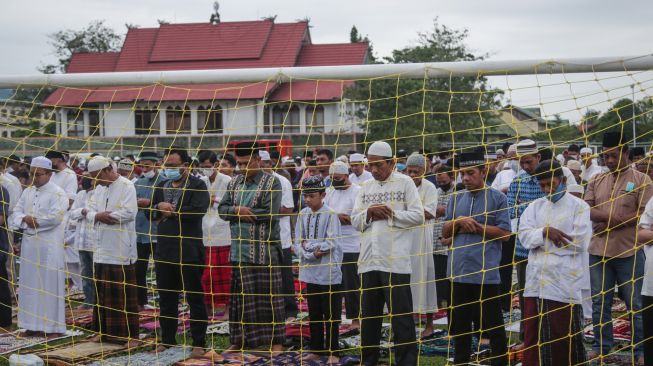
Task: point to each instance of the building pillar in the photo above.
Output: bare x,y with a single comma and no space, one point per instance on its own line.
100,126
63,131
302,118
87,131
163,122
193,121
260,117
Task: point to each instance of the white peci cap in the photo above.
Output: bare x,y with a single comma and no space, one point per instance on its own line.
380,148
98,163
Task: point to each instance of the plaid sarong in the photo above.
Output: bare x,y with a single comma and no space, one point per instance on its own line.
256,313
553,334
216,280
116,313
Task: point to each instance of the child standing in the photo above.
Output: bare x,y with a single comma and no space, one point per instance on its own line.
318,246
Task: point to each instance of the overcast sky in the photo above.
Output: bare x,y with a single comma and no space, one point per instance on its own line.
508,29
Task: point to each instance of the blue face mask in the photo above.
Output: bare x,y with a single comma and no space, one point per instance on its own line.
559,193
401,167
171,173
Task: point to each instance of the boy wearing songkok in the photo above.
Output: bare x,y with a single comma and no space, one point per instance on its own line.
317,235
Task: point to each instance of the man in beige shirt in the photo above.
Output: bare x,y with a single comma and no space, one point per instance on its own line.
617,198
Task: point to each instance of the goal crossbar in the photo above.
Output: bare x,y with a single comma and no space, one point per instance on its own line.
350,72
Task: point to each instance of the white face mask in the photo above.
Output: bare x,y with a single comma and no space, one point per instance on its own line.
149,175
207,172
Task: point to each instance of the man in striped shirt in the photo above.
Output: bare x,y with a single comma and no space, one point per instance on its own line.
523,190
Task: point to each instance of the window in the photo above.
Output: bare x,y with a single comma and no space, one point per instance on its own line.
315,118
285,119
178,120
146,121
210,119
75,123
94,122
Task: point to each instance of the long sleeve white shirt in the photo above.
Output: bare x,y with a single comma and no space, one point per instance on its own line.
66,180
386,245
116,244
215,230
13,187
342,202
552,273
85,235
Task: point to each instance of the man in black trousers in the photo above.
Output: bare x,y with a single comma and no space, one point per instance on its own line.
180,202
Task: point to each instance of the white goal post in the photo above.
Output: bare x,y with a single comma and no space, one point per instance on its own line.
353,72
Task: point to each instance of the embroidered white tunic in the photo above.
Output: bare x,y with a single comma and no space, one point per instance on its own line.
386,245
42,288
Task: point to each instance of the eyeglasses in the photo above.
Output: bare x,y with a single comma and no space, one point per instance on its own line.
36,175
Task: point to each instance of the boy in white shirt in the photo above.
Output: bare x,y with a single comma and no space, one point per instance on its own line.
556,229
317,243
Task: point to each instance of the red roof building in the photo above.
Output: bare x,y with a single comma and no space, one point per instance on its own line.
230,108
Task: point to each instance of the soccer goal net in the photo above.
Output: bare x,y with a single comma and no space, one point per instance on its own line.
486,212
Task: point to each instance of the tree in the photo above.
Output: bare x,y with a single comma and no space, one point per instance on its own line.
354,37
423,113
95,37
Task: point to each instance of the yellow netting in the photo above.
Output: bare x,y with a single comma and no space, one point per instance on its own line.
434,117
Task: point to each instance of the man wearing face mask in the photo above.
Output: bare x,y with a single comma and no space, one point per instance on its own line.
509,170
145,229
341,197
178,204
217,240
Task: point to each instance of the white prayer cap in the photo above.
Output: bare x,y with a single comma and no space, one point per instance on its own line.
500,152
357,158
125,164
512,149
526,147
343,158
575,188
116,158
380,148
41,162
339,167
98,163
416,160
264,155
586,150
573,165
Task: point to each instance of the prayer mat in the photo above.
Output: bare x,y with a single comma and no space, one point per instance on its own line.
218,328
81,352
9,343
183,319
619,306
620,329
82,318
146,358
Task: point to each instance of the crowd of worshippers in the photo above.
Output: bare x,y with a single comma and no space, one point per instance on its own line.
388,233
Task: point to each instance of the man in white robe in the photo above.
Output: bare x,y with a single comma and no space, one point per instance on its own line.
388,213
113,214
66,179
40,212
422,279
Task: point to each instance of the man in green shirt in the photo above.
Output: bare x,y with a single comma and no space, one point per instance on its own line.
251,205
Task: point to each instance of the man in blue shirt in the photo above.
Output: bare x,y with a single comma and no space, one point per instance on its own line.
145,229
477,222
523,190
